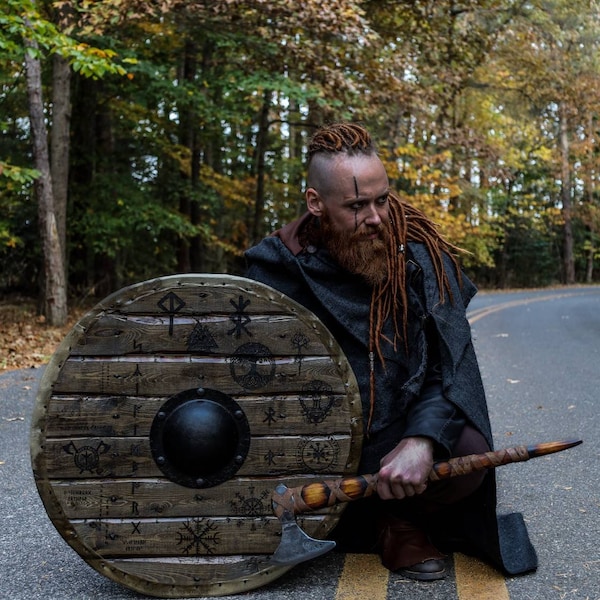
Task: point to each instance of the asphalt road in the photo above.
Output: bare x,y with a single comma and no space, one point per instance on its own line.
540,358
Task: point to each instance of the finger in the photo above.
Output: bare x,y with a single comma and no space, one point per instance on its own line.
408,490
385,491
419,489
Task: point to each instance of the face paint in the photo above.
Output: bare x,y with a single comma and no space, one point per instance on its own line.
356,211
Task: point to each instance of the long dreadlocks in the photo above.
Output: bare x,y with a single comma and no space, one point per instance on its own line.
409,224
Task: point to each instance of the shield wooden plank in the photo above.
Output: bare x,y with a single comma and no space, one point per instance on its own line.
167,417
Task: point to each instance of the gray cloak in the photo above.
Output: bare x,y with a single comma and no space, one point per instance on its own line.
311,277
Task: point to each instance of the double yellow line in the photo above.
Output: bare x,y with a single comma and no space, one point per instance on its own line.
364,577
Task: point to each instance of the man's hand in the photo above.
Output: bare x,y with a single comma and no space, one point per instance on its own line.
404,471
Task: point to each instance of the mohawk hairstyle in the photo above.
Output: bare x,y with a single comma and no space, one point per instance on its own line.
389,299
350,138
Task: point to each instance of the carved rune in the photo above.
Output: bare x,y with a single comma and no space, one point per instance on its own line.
240,319
299,342
171,303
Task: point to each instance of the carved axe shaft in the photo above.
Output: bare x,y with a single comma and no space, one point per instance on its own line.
314,496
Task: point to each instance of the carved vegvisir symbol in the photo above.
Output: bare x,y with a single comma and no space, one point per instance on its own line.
317,400
87,458
318,454
198,536
252,366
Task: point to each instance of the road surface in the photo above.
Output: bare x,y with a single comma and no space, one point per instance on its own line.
540,358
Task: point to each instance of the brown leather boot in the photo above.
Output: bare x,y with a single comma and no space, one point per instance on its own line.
406,549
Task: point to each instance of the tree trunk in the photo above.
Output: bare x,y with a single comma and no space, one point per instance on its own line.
55,296
187,138
568,258
60,145
261,149
589,198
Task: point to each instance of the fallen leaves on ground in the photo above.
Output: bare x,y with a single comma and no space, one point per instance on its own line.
25,339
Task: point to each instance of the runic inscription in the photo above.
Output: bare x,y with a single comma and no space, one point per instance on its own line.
299,342
240,320
171,303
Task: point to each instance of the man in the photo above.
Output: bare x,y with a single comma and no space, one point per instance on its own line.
388,287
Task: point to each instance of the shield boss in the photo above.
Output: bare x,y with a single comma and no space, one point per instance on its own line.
167,417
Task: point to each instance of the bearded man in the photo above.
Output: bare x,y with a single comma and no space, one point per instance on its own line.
389,288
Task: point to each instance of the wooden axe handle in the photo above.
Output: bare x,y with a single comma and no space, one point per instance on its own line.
322,494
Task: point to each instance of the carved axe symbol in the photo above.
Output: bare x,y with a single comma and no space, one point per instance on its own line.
296,546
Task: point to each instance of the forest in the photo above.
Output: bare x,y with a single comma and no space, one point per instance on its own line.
145,138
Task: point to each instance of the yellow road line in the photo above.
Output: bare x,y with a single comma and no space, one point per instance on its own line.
363,577
477,581
480,313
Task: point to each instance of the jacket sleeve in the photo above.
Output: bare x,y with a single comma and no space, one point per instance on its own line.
431,414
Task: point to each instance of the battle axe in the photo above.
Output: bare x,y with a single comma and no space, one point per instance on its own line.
296,546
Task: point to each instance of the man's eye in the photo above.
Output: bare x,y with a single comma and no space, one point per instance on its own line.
383,200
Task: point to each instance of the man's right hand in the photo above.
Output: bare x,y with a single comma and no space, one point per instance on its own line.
405,470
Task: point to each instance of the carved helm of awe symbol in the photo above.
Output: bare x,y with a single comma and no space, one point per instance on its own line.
169,415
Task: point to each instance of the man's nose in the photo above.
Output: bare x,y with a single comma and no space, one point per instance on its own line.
373,217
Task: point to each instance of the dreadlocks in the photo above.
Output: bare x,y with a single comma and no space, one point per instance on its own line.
389,298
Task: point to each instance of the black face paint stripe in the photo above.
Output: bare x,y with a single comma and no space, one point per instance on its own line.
356,210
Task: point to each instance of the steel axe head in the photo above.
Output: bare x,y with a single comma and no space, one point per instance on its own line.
295,545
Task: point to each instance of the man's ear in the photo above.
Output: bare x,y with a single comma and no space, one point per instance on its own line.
314,202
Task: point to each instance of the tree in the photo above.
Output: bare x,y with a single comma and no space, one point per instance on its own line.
38,33
55,289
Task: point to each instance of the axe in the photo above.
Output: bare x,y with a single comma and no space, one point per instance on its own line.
296,546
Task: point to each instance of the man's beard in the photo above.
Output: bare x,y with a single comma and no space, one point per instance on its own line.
355,252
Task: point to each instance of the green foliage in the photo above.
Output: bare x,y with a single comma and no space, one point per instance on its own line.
20,19
190,120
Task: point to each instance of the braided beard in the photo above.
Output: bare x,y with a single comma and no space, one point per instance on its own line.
355,252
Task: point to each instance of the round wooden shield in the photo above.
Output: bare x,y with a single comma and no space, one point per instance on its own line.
168,416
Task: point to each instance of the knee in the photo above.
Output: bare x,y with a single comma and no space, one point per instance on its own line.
455,489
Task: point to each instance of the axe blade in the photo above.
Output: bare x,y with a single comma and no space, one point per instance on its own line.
296,546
